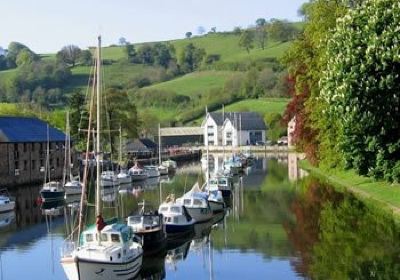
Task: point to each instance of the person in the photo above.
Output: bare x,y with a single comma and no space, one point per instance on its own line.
100,224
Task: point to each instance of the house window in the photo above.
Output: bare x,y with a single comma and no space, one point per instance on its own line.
51,162
41,162
58,162
16,164
25,165
33,166
33,147
25,147
229,135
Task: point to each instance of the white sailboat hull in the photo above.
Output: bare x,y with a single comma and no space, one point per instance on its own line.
200,214
82,269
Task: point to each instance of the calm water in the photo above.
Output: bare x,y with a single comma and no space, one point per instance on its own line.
277,227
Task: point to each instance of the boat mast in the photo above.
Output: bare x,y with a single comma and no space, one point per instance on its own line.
120,148
98,105
159,144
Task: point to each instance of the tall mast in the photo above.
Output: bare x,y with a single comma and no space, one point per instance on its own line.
98,105
120,148
159,144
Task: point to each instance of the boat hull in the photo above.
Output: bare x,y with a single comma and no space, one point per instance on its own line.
216,206
178,229
49,195
82,269
7,207
200,215
140,177
153,241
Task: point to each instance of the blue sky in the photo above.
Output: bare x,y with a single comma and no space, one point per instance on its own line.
48,25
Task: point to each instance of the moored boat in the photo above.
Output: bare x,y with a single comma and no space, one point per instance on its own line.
137,173
151,171
52,190
108,179
6,203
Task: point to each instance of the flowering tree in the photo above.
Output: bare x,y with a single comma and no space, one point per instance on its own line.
361,87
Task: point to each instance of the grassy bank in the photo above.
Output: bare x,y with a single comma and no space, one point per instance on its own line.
384,193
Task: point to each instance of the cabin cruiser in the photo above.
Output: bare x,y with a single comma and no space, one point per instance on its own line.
52,190
170,165
221,183
124,177
151,171
137,173
6,203
72,187
176,217
108,179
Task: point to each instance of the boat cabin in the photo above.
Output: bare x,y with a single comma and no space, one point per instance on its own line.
195,200
111,234
146,222
174,213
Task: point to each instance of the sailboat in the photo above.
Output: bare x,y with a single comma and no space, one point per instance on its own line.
73,185
102,251
123,176
51,190
161,168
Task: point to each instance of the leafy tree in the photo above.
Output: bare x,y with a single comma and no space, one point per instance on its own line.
69,54
162,54
86,58
361,86
237,30
201,30
191,57
261,33
14,49
213,30
211,58
24,57
188,34
130,51
78,114
145,54
281,30
246,40
122,41
3,62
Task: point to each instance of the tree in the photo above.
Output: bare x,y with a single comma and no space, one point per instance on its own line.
246,40
145,54
213,30
237,30
69,54
201,30
360,88
281,30
162,55
191,57
188,34
24,57
86,58
261,33
130,51
14,48
122,41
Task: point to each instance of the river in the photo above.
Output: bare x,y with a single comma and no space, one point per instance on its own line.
278,226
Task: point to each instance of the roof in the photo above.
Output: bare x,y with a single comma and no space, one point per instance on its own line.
25,130
243,120
181,131
140,145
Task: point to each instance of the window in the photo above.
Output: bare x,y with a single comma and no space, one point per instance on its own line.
229,134
89,237
210,127
197,202
103,237
25,165
163,209
58,162
175,209
115,238
33,166
186,202
25,147
33,147
16,164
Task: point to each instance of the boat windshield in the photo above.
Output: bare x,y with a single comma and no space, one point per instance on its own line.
135,220
115,238
175,209
163,209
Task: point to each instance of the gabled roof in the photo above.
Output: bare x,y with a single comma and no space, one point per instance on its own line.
25,130
243,120
140,145
181,131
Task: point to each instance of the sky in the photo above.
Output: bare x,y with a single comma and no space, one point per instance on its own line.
46,26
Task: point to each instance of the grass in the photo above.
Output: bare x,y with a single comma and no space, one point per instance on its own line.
195,83
261,105
384,193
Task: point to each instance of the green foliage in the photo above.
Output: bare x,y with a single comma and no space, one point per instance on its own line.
14,49
246,40
69,55
281,30
191,57
361,88
275,129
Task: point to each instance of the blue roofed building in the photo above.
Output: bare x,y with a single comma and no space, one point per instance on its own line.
23,144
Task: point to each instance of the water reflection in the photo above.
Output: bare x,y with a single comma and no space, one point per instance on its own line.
273,228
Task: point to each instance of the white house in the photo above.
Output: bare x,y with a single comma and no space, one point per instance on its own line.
233,129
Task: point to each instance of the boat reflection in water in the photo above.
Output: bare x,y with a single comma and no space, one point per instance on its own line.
6,219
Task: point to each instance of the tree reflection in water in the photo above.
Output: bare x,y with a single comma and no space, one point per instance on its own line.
340,237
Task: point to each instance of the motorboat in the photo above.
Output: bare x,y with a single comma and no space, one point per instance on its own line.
196,203
176,217
74,186
216,201
6,203
150,227
171,165
163,170
151,171
52,190
137,173
124,177
108,179
221,183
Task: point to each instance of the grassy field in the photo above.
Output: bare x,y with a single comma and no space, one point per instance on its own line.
195,83
383,193
261,105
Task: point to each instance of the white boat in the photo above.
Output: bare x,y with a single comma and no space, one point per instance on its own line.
71,185
108,179
163,170
216,201
124,177
196,202
137,173
233,166
6,203
102,251
51,190
170,165
221,183
177,219
151,171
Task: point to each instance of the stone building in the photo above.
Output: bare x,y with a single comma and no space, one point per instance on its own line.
23,146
